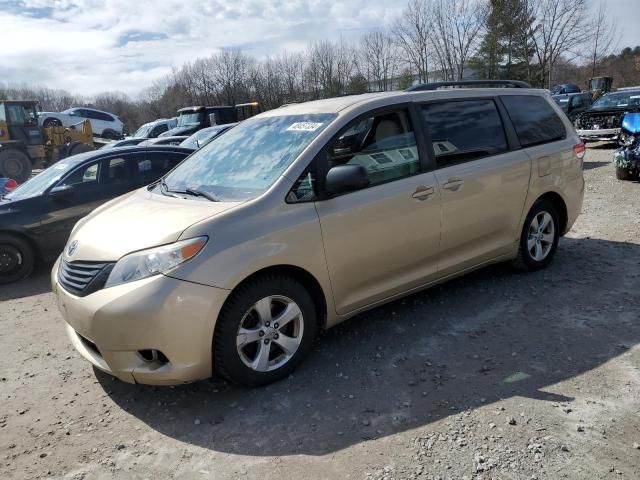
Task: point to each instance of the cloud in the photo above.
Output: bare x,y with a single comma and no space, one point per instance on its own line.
90,46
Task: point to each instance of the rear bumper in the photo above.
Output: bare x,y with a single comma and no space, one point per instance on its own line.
606,134
112,326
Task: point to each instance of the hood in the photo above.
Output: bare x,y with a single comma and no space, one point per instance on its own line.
178,131
137,221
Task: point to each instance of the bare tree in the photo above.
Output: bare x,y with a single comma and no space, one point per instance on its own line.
378,59
603,37
412,34
560,27
455,34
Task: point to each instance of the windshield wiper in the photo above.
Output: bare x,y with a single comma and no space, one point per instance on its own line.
164,188
200,193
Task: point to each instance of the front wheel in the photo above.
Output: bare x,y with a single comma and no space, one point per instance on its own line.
51,122
264,331
625,174
539,238
16,259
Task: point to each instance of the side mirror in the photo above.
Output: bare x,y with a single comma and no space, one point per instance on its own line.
62,191
346,178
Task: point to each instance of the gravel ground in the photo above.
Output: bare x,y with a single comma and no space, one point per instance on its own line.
497,375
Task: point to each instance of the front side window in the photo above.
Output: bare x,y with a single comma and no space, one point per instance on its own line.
116,172
463,131
87,174
384,144
534,119
245,161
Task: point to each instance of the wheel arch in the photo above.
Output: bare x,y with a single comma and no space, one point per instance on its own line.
304,277
12,232
561,207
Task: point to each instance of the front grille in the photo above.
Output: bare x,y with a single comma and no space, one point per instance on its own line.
587,122
83,278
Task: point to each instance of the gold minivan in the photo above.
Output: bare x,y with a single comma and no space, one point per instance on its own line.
306,215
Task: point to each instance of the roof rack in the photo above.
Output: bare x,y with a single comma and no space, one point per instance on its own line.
468,83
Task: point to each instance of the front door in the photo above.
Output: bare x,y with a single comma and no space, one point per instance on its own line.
384,239
483,183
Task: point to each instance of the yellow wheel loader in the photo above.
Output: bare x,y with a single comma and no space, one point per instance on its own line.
25,145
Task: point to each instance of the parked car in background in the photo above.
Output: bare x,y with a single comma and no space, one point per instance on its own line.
565,88
204,136
155,128
36,217
602,121
127,142
175,140
573,104
306,215
103,124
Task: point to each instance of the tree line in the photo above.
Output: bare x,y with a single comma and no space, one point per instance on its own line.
542,42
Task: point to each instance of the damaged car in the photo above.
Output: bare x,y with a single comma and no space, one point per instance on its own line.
603,120
627,159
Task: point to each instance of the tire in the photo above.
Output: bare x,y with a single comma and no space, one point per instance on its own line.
15,164
79,147
538,247
624,174
280,295
16,259
51,122
110,135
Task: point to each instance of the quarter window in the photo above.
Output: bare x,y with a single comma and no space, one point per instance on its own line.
384,144
465,130
534,119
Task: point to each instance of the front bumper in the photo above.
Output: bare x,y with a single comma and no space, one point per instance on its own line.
112,326
605,134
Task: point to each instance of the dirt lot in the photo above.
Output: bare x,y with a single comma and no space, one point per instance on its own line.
495,375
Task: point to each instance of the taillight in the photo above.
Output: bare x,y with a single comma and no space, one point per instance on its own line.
580,150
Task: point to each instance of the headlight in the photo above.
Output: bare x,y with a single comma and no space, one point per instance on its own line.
628,140
146,263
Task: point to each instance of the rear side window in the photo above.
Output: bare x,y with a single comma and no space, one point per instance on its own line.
466,130
534,119
156,165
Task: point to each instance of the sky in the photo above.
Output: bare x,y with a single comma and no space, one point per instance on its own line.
93,46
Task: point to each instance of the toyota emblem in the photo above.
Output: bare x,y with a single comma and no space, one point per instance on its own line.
72,248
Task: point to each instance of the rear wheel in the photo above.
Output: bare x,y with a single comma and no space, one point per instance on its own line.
16,259
264,331
15,164
110,135
625,174
539,238
51,122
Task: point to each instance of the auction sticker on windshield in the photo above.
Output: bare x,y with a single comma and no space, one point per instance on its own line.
304,126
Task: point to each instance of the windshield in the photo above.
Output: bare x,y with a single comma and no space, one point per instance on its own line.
201,137
618,100
245,161
38,184
190,119
143,131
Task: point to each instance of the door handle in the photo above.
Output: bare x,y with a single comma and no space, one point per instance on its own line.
422,192
453,184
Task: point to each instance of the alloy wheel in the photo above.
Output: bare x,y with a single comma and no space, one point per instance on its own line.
541,236
270,333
